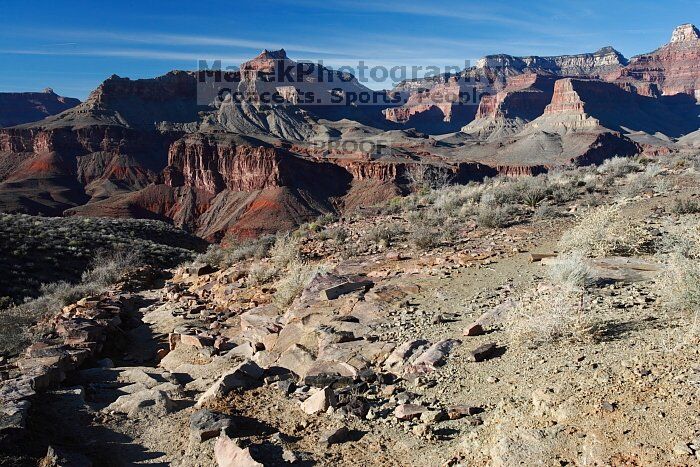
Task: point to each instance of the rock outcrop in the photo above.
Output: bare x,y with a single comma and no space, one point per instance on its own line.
673,68
600,64
522,100
583,104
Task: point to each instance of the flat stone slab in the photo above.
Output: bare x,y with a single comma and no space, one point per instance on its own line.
205,424
483,352
336,291
229,454
409,411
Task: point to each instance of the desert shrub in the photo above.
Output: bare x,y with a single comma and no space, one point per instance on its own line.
293,282
564,193
602,231
14,329
232,251
451,231
326,219
312,227
429,177
682,238
108,268
638,183
556,309
261,273
339,234
591,200
323,235
15,321
214,256
532,190
548,313
285,250
546,211
449,201
619,167
685,206
385,234
501,193
533,195
679,284
570,270
678,288
394,206
494,216
595,185
40,250
424,238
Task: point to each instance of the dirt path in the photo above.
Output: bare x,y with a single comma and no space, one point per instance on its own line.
623,397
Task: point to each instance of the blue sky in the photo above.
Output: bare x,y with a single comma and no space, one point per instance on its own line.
72,46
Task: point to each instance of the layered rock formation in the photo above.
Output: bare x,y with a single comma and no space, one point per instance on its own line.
444,105
578,104
673,68
490,76
605,62
183,148
506,112
25,107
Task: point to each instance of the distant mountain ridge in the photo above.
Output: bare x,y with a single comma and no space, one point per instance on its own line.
24,107
149,148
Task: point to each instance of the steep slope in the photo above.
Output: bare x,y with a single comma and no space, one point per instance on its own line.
506,112
581,104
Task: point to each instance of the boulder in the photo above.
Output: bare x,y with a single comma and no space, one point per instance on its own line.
142,403
319,401
205,424
14,415
229,454
200,269
433,356
483,352
433,416
243,376
409,411
474,329
459,411
297,359
334,436
331,293
402,353
196,341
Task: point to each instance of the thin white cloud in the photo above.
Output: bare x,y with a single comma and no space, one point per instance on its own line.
126,53
177,40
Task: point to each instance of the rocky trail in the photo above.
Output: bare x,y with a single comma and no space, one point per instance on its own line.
392,357
137,404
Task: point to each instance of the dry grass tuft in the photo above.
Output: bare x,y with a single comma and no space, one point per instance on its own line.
685,206
16,322
603,231
293,282
285,250
556,309
261,273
